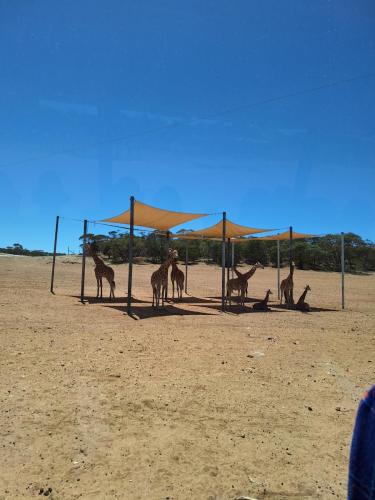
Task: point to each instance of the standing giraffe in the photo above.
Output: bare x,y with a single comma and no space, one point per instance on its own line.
178,277
286,287
159,279
301,304
240,284
256,266
101,271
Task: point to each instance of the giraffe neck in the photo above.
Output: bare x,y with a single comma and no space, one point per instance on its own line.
267,297
165,265
303,296
98,261
250,273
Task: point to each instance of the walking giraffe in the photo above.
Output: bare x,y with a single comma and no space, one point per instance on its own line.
159,279
286,287
256,266
301,304
178,277
101,271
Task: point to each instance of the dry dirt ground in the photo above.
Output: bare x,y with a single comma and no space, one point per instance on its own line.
188,403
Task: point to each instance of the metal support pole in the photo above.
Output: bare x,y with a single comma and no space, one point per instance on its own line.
278,269
186,266
223,263
228,257
168,243
342,271
83,260
232,259
54,253
291,261
130,265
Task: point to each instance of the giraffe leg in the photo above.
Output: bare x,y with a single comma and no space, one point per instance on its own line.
172,290
101,287
97,287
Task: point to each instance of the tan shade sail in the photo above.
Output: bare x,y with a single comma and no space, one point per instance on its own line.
278,237
156,218
216,231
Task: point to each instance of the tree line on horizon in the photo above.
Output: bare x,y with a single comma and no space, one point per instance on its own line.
318,254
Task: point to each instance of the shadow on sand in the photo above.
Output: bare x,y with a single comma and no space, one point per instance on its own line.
146,312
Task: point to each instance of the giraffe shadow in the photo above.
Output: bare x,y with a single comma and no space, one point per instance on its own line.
237,309
235,299
285,307
191,299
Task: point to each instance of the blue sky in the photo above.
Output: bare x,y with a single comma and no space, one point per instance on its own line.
167,100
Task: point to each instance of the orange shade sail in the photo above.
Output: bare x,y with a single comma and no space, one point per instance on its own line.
277,237
152,217
232,230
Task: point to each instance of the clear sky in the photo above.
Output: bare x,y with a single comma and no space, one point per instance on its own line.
173,101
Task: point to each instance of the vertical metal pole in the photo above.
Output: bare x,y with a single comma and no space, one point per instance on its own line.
223,263
83,261
278,269
186,266
168,243
228,257
54,253
342,271
290,261
130,265
232,259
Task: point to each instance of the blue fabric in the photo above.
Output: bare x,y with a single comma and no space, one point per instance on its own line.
362,455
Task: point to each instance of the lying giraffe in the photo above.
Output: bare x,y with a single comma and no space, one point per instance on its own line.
262,305
178,277
256,266
286,287
159,279
301,304
101,271
240,284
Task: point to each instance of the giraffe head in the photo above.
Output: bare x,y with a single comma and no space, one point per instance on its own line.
172,255
269,292
258,265
90,248
307,288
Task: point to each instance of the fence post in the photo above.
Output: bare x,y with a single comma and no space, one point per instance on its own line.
83,261
130,266
54,253
186,266
223,262
342,271
278,269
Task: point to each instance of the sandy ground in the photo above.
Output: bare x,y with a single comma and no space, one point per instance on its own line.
188,403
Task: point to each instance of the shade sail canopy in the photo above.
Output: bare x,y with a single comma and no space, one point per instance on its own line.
216,231
278,237
156,218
